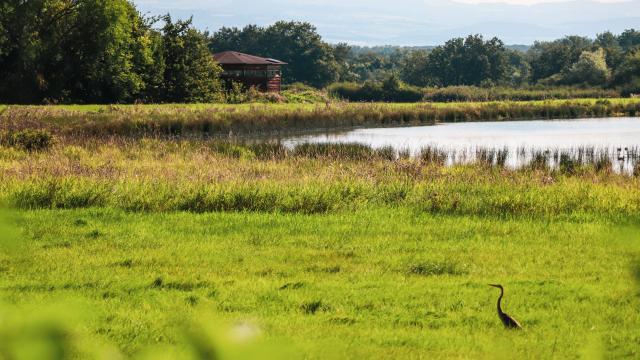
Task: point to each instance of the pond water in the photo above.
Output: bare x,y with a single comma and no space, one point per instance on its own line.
619,138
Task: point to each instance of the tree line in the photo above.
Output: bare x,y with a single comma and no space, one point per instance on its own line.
609,60
101,51
106,51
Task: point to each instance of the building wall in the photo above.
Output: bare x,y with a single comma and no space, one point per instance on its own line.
263,77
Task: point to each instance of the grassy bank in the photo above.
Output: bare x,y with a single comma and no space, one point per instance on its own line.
221,120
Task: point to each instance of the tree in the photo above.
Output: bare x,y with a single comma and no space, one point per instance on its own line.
72,51
191,74
248,40
414,68
342,55
470,61
551,58
591,69
629,40
311,60
101,54
519,69
629,70
21,22
610,43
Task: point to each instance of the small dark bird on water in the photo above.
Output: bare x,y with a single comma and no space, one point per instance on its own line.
508,321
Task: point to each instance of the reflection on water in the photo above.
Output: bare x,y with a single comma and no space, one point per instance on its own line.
617,138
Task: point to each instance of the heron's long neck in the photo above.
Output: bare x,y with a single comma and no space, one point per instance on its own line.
500,300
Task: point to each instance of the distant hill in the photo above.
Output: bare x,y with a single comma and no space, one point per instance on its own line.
521,48
413,22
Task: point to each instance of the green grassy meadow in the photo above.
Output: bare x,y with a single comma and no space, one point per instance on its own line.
148,247
377,283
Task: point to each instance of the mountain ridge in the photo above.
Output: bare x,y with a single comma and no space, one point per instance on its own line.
415,22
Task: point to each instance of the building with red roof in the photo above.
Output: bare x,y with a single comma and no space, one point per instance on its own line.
251,71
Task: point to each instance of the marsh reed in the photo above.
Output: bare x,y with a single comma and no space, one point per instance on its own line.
265,119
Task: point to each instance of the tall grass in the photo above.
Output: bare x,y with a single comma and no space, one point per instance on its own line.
265,119
473,93
318,178
376,92
561,197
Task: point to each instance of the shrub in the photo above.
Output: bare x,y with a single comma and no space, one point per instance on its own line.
632,88
236,93
474,93
28,140
376,91
298,87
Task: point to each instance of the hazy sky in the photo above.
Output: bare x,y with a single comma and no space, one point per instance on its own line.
414,22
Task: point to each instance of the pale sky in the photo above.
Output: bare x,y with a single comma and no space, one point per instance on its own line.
527,2
414,22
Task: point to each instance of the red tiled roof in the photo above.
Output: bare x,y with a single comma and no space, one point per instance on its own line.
236,58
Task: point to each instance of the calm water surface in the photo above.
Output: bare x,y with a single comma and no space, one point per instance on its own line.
518,137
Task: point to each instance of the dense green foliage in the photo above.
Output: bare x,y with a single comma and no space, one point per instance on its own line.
471,61
190,72
105,51
390,90
99,51
476,61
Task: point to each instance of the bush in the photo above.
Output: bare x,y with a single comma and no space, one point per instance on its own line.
632,88
590,69
371,91
236,94
474,93
295,94
376,91
298,87
28,140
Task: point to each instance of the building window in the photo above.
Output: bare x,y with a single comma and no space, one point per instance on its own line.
234,73
255,73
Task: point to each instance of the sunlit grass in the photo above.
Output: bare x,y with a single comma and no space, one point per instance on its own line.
299,106
155,175
371,284
247,119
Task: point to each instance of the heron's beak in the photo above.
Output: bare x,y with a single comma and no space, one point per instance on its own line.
495,286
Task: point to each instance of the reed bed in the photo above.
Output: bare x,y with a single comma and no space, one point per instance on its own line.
263,119
473,93
204,176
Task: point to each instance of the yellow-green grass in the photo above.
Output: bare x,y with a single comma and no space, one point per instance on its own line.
302,106
251,119
380,283
154,175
